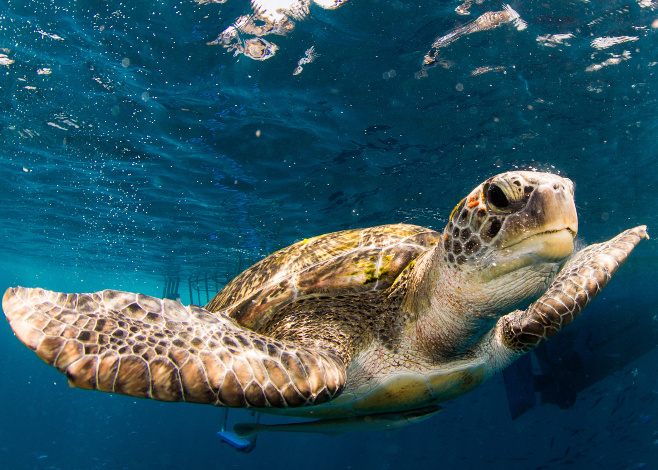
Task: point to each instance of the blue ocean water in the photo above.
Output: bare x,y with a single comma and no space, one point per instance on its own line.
133,152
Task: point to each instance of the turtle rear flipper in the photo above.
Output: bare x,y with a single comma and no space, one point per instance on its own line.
151,348
580,280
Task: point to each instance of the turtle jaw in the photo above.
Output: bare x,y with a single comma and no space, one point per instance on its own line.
547,247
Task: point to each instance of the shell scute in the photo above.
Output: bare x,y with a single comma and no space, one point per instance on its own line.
340,263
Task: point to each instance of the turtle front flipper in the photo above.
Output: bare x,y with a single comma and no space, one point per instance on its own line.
151,348
582,278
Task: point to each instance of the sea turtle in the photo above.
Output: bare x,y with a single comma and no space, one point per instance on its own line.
383,322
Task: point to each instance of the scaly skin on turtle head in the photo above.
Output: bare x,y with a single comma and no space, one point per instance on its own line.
503,245
512,221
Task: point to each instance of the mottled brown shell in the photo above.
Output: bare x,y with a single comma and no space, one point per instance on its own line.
339,263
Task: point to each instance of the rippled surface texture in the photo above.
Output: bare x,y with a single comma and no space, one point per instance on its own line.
148,140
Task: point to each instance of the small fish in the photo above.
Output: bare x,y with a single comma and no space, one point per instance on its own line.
374,422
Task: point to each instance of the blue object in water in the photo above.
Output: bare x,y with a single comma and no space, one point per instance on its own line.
232,439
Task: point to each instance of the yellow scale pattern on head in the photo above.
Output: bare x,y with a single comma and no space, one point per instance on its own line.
473,200
452,214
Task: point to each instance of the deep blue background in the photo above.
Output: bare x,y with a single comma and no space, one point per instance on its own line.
185,161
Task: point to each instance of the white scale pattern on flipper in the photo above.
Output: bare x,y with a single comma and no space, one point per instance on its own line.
146,347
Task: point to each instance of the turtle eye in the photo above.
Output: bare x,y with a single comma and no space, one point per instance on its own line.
496,197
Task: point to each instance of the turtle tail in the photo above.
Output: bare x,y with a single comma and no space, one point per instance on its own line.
146,347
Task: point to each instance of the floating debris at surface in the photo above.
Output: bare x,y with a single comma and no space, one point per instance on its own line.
269,17
309,56
486,21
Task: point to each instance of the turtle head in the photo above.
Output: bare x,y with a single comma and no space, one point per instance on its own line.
511,234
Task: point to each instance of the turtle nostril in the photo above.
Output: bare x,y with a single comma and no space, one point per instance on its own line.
497,197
